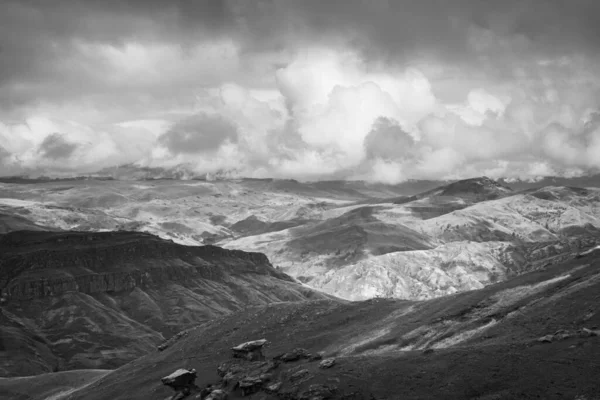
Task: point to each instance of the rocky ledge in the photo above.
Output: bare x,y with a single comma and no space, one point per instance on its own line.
42,264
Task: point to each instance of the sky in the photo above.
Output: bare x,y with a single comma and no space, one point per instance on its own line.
376,90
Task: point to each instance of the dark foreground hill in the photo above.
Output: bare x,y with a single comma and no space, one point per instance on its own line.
532,337
98,300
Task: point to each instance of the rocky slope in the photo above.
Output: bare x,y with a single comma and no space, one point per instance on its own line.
97,300
458,237
532,336
352,239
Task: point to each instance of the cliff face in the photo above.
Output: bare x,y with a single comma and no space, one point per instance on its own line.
34,265
98,300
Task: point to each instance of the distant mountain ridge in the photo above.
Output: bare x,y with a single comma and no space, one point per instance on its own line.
134,172
470,233
353,239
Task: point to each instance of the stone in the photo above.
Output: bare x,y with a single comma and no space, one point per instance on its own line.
252,384
273,388
217,394
294,355
250,351
228,368
327,363
181,379
427,351
585,332
546,339
252,345
562,334
298,375
166,344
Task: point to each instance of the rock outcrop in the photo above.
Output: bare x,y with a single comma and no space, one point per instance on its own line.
286,376
181,381
67,285
327,363
41,264
563,334
251,351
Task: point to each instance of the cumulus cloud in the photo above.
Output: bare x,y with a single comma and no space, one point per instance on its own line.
379,90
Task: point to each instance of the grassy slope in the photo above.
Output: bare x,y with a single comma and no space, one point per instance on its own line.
504,361
50,386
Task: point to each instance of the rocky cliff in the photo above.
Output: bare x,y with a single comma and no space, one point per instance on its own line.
97,300
34,265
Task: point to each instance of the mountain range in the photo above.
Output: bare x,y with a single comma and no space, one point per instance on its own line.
107,285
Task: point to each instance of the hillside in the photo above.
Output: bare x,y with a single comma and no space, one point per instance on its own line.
532,336
457,237
352,239
98,300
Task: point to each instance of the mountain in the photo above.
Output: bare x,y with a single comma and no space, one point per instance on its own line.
532,336
472,190
354,239
579,181
457,237
98,300
467,290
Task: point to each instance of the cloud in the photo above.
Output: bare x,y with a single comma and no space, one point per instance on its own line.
198,134
380,90
4,155
55,147
387,140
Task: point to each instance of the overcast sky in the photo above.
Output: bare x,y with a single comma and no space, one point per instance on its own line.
381,90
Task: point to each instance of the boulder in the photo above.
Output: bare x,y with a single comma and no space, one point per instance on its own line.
546,339
294,355
562,334
180,380
229,367
585,332
251,351
253,384
272,388
327,363
296,376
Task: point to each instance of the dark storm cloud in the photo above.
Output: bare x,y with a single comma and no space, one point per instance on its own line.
197,134
55,147
38,37
392,29
39,53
